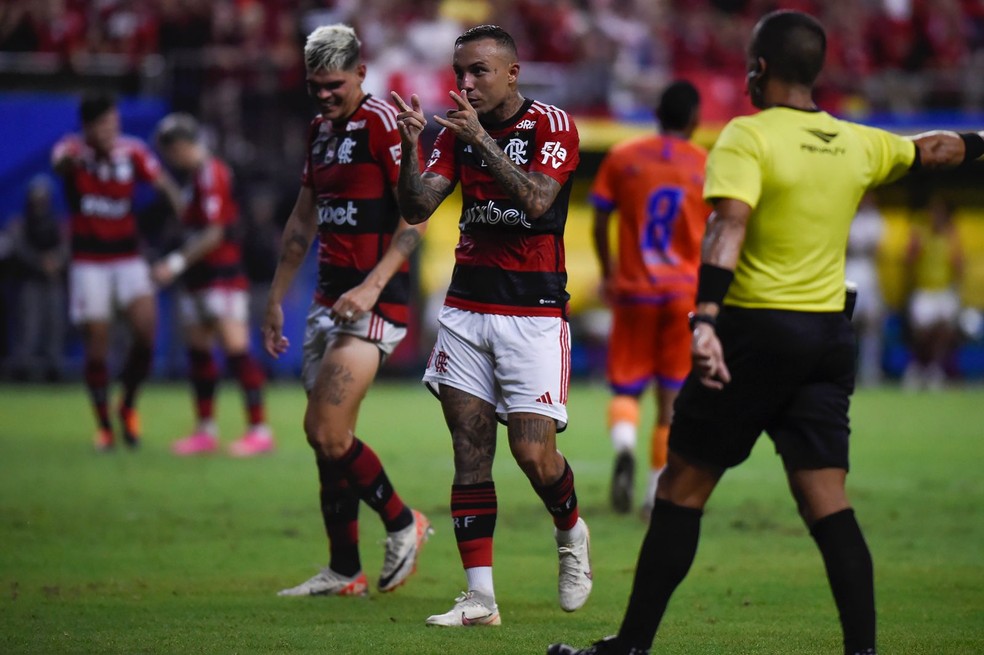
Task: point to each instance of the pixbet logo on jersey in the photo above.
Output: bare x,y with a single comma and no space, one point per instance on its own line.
489,214
103,207
337,215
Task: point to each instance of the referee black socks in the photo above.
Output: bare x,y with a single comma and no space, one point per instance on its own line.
851,575
667,553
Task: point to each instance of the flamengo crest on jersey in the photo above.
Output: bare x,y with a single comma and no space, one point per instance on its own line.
99,190
352,167
507,262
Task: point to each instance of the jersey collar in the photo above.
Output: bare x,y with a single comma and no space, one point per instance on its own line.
492,127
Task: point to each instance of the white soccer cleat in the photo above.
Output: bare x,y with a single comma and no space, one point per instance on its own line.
402,549
574,578
329,583
470,608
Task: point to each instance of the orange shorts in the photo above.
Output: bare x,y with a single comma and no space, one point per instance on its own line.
649,341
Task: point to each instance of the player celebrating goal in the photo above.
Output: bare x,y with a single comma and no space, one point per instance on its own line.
359,313
654,184
215,303
100,169
503,349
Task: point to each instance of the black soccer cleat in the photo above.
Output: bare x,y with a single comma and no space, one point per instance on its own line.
607,646
130,427
623,482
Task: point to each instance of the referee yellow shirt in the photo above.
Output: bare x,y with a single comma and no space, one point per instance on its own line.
803,174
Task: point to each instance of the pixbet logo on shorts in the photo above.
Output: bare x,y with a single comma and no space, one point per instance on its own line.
337,215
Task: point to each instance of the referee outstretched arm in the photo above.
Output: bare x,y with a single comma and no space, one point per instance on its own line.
938,149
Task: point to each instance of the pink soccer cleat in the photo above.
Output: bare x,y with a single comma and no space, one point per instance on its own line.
200,442
257,441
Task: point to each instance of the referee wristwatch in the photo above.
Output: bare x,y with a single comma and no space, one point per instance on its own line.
695,318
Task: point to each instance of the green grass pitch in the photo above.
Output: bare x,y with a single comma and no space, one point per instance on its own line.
147,553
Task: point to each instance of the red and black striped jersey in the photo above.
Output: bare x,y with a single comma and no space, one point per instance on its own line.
505,261
100,189
211,203
352,167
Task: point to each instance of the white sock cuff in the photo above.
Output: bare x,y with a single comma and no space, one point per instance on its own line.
574,534
624,436
480,580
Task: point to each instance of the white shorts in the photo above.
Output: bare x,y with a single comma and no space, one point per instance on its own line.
321,331
929,307
97,289
206,306
516,363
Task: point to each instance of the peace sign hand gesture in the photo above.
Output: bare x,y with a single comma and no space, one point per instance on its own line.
463,121
410,120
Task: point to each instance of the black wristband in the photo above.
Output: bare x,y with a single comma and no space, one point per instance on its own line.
973,146
712,283
693,319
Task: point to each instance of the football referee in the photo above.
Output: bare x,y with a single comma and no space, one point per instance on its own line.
772,347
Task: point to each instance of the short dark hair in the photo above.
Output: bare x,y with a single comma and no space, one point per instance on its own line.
94,104
677,105
792,43
176,127
494,32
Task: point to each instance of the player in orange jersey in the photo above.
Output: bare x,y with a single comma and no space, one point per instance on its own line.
654,183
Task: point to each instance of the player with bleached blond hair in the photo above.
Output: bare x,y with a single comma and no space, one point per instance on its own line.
360,311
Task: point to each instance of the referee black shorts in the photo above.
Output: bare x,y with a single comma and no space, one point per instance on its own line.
792,375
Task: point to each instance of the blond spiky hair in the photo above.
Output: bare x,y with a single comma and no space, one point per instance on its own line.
332,48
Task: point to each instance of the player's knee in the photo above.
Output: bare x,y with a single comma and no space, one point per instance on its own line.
326,440
538,465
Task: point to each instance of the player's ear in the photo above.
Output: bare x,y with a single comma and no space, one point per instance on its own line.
360,71
513,74
758,70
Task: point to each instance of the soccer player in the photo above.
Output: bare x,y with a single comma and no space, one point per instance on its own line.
503,347
772,348
100,168
654,184
215,302
934,266
359,313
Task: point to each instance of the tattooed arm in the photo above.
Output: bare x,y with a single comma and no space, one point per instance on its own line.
362,298
535,192
298,234
419,195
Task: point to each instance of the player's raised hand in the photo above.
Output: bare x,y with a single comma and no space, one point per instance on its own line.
463,121
708,357
410,120
274,341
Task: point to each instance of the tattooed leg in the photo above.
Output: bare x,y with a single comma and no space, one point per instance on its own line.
473,427
533,442
347,370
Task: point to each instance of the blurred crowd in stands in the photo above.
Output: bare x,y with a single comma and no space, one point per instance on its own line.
237,65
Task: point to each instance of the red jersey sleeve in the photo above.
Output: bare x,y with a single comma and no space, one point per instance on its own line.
384,143
443,158
306,172
145,164
214,195
557,146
